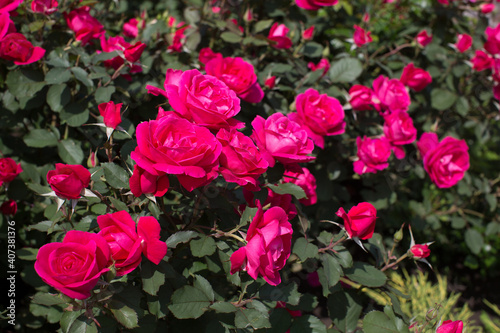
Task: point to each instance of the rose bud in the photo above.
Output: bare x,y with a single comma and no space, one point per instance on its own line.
9,207
111,114
278,34
420,251
359,222
423,38
464,42
68,181
361,36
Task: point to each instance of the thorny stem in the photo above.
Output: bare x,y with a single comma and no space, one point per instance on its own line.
387,266
332,245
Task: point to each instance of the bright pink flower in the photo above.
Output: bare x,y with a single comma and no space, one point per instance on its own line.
177,38
131,27
9,207
373,155
85,26
420,251
306,180
270,82
173,145
392,94
127,245
46,7
415,78
278,34
75,265
481,61
308,33
282,139
68,180
423,38
319,114
361,36
143,182
206,54
7,6
487,7
111,113
322,64
360,220
399,130
492,44
202,99
315,4
464,42
239,75
15,47
131,53
449,326
269,242
6,25
9,170
363,98
240,160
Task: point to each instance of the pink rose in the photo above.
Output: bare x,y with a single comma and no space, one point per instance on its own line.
392,94
444,2
373,155
464,42
487,7
449,326
46,7
270,82
15,47
240,160
68,181
85,26
9,5
111,113
360,220
415,78
143,182
399,130
239,75
173,145
363,98
278,34
423,38
420,251
127,245
201,99
492,44
322,64
361,36
319,114
306,180
74,266
131,53
269,242
447,161
9,207
131,27
177,38
283,139
206,54
315,4
308,33
9,170
481,61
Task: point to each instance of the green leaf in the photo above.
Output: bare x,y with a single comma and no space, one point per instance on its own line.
180,237
304,249
68,318
123,314
332,269
474,240
248,215
344,257
344,308
44,226
223,307
39,138
82,324
70,151
24,83
288,188
230,37
189,302
262,25
378,322
442,99
202,284
74,115
366,275
47,299
58,75
312,49
82,76
115,175
118,204
103,94
27,253
251,318
284,293
205,246
58,96
345,70
308,324
98,57
152,279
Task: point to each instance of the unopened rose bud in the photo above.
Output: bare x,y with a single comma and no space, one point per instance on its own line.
248,16
270,82
92,161
9,207
419,251
398,236
308,33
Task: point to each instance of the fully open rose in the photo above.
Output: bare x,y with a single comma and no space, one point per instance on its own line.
74,266
373,155
85,26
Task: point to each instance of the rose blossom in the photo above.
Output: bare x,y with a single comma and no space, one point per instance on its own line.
278,34
201,99
447,161
111,113
363,98
131,53
240,160
280,138
492,44
319,114
361,36
449,326
372,155
315,4
423,38
481,61
392,94
9,5
415,78
131,27
177,38
487,7
306,180
284,201
206,54
464,42
270,82
360,220
15,47
308,33
143,182
399,130
322,64
173,145
68,181
9,170
420,251
239,76
127,245
85,26
46,7
9,207
74,266
269,242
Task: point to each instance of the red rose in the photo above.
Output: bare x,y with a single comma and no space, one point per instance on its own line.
464,42
362,98
278,34
449,326
131,27
399,130
372,155
423,38
131,53
360,220
9,207
308,33
270,82
481,61
420,251
315,4
111,113
206,54
9,170
68,181
361,36
392,94
9,5
46,7
85,26
142,181
415,78
17,48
